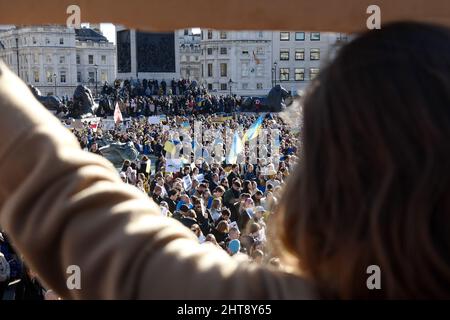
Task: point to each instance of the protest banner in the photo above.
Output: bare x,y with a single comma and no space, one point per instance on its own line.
187,182
173,165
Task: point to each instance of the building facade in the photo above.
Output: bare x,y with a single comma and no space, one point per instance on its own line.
55,59
236,62
190,55
250,63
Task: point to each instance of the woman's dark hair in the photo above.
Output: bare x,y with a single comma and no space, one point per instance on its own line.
373,185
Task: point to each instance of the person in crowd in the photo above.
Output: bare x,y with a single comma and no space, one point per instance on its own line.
332,218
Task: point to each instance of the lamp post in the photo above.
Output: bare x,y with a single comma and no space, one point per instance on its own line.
230,83
17,54
275,72
96,91
54,79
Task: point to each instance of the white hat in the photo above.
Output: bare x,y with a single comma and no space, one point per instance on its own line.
260,209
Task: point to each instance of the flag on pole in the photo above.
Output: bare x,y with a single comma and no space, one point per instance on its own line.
117,114
236,149
254,129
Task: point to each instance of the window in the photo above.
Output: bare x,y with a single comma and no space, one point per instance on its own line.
186,32
259,86
284,36
299,36
299,74
260,34
314,54
245,86
299,54
62,59
62,76
315,36
244,68
36,75
48,59
284,54
209,51
209,34
49,75
36,58
284,74
210,86
79,76
210,70
78,59
223,86
223,50
223,69
245,52
203,71
61,40
91,59
104,76
47,41
259,50
259,70
91,76
313,72
103,59
34,40
27,79
223,35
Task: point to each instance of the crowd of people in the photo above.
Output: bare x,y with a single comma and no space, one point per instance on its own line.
227,204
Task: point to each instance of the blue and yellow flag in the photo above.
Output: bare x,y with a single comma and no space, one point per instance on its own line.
169,146
236,148
254,129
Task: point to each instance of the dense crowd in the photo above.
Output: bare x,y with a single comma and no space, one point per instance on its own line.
226,204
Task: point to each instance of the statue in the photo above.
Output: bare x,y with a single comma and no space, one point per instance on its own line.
118,152
52,103
83,103
276,98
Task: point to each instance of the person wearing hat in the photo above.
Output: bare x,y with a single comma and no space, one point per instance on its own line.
234,246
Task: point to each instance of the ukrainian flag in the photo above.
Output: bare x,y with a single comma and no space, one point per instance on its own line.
254,129
169,146
236,148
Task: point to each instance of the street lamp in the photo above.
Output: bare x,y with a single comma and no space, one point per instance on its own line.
96,68
229,83
275,72
54,79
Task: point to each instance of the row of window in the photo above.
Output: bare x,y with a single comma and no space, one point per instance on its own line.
299,36
91,59
50,76
314,54
245,70
299,74
62,59
23,41
223,35
224,51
